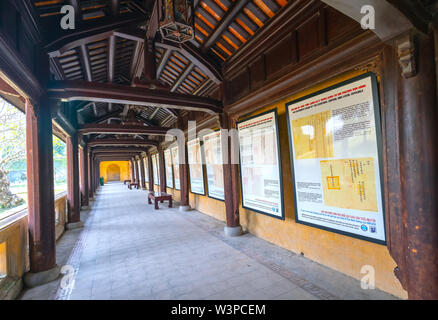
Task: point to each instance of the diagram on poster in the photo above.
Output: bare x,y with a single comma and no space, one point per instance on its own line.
349,184
213,161
259,165
195,166
334,139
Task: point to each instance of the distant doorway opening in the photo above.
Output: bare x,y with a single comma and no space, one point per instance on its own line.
113,173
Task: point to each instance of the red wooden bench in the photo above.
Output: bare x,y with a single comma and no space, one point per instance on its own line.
126,181
159,196
133,184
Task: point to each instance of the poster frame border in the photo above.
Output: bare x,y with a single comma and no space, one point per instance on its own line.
190,170
158,173
378,126
247,118
173,168
206,173
171,165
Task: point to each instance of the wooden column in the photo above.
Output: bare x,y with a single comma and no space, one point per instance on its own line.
73,190
131,167
162,172
90,175
40,186
231,175
97,174
183,170
149,60
143,177
83,163
137,171
151,173
416,249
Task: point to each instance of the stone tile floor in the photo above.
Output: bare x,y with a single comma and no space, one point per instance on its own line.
128,250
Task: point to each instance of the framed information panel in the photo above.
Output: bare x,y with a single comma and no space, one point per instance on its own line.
146,169
213,162
156,169
169,171
260,169
335,142
195,167
175,162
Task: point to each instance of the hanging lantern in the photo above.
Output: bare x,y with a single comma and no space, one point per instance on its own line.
176,20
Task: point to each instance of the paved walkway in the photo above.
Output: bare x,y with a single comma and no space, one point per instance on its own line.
128,250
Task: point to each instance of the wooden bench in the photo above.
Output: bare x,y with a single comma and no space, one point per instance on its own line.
133,184
159,196
126,181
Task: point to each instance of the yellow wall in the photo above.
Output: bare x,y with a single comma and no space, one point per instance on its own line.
124,169
207,205
176,194
336,251
3,259
14,240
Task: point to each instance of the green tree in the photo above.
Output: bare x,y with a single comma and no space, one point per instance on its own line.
12,149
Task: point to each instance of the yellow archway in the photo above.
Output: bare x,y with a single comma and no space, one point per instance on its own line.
113,172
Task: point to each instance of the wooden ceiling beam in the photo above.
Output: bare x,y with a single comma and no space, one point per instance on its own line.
182,77
222,26
121,142
115,7
111,57
100,92
109,149
85,62
94,128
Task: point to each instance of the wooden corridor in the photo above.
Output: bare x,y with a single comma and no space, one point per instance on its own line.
127,250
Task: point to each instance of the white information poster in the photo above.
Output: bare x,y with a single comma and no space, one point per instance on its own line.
169,171
260,171
335,143
146,169
195,167
175,161
156,169
213,161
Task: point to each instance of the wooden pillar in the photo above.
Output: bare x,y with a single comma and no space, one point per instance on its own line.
83,163
90,175
40,186
74,209
137,171
97,174
151,173
231,176
162,172
183,170
149,60
418,117
142,170
131,167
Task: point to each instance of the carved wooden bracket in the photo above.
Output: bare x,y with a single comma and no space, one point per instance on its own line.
406,55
